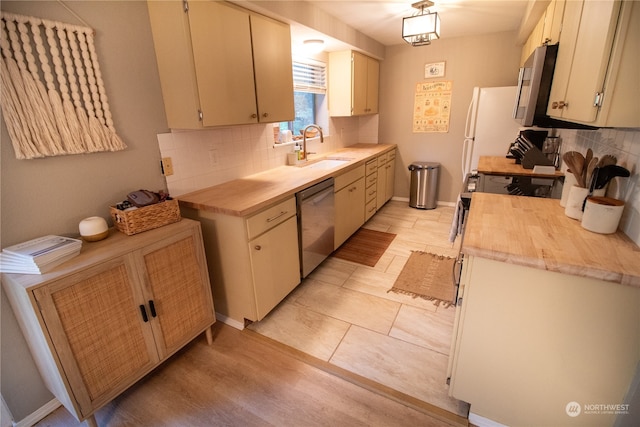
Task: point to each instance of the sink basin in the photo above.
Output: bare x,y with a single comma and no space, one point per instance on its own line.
325,164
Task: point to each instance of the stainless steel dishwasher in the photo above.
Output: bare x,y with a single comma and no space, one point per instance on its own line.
316,220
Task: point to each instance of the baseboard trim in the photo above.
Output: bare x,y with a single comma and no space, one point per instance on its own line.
479,421
229,321
438,203
38,414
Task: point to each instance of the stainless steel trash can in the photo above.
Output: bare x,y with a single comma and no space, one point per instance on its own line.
424,185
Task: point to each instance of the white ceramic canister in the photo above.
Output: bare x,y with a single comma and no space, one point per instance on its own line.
569,181
93,229
602,214
575,201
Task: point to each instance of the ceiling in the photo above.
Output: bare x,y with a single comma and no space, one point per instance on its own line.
382,19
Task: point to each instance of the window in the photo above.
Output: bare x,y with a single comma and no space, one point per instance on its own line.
309,92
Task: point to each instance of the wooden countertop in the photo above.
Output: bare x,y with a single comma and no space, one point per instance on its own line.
502,166
535,232
250,194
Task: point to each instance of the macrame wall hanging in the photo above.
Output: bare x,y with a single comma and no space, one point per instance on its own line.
53,98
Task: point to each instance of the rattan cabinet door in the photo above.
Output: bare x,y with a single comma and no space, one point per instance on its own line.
98,333
177,290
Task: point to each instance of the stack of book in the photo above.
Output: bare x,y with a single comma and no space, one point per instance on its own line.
39,255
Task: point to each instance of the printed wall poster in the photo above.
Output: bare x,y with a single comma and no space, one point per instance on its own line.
432,106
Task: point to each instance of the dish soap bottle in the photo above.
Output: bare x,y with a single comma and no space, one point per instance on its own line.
298,150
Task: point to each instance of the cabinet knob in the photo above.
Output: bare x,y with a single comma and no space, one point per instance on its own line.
254,116
265,114
559,105
258,247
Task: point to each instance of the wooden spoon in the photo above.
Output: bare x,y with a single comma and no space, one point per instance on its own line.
575,162
589,171
606,160
587,160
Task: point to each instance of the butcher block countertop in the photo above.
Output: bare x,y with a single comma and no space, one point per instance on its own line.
535,232
245,196
503,166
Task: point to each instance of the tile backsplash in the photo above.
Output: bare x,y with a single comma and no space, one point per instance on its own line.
204,158
624,144
209,157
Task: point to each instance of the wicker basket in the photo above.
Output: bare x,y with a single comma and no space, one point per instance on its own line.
146,218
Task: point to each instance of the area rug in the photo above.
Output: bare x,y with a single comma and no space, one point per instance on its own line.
365,246
427,276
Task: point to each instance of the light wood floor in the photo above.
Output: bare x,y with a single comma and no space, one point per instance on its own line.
343,314
244,381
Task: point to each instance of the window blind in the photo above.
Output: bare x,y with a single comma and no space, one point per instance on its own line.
309,76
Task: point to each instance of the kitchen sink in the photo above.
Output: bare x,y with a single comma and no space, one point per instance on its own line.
324,164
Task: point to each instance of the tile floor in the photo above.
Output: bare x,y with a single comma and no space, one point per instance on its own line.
342,313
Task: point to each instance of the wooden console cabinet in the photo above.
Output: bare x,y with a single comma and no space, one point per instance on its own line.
101,321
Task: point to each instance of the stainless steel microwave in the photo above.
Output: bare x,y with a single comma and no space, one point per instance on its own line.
534,87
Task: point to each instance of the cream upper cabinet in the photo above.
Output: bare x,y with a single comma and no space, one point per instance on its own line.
596,75
353,84
547,30
221,65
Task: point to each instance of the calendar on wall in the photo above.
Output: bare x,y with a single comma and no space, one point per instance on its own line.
432,106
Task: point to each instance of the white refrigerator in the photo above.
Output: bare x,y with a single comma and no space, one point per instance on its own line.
490,127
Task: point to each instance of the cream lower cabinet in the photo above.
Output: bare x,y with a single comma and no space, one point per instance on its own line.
101,321
253,261
595,80
528,342
221,65
275,265
349,204
371,188
386,177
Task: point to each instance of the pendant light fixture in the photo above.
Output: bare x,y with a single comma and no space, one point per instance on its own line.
422,27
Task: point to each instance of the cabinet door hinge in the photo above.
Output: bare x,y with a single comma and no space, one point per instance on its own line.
185,6
200,115
597,100
459,304
448,380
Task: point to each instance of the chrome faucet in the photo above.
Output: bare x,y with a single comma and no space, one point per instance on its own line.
304,139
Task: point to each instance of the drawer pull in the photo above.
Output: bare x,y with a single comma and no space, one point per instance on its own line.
143,311
257,247
273,218
152,308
